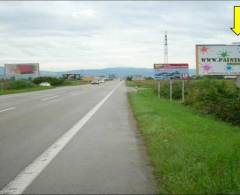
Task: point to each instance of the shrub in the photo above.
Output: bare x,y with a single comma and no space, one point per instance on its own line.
148,78
129,78
52,80
218,97
176,89
18,84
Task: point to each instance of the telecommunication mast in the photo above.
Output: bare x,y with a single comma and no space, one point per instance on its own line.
165,48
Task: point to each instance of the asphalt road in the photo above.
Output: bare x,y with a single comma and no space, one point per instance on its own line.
105,155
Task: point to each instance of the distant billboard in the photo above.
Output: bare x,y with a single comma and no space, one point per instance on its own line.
22,70
218,59
170,71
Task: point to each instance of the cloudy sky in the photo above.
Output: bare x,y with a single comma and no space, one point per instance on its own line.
76,35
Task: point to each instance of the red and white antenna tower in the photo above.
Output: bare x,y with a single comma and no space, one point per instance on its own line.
165,48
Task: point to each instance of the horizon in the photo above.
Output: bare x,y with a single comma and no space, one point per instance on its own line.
127,67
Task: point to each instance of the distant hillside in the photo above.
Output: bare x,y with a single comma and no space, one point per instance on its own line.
118,71
104,72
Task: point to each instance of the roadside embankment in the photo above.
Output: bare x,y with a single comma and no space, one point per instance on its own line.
190,152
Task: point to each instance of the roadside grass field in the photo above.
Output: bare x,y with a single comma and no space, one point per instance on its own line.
75,82
28,86
12,91
191,153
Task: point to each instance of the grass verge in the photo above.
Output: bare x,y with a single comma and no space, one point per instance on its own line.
28,86
75,82
191,153
12,91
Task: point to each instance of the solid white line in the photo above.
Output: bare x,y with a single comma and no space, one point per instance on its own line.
49,98
7,109
30,173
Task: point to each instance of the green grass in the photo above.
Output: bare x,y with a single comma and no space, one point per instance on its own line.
144,83
190,153
74,82
33,87
12,91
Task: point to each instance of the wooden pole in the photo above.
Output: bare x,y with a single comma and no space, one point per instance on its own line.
170,91
159,89
1,86
183,90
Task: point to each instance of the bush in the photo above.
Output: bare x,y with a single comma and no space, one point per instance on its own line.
218,97
129,78
176,89
52,80
18,84
148,78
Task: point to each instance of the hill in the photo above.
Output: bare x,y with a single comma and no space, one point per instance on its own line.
105,71
116,71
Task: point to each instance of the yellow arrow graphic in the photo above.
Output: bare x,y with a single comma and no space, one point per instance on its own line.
236,27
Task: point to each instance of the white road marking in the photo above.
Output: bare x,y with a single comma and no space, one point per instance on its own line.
50,98
7,109
30,173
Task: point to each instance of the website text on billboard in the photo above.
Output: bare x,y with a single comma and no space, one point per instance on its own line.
218,59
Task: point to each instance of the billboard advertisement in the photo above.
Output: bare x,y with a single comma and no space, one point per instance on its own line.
22,70
218,59
170,71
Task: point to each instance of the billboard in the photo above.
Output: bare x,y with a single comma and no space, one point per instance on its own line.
170,71
218,59
22,70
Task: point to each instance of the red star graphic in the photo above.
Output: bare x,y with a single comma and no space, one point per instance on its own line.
204,50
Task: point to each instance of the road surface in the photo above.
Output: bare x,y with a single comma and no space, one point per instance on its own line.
72,140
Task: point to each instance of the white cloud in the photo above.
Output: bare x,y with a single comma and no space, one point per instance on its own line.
84,13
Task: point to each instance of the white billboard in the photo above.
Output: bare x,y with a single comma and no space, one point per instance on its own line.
218,59
22,70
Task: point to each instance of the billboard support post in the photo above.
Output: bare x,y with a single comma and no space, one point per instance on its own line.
2,86
238,82
183,91
197,63
170,91
159,88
